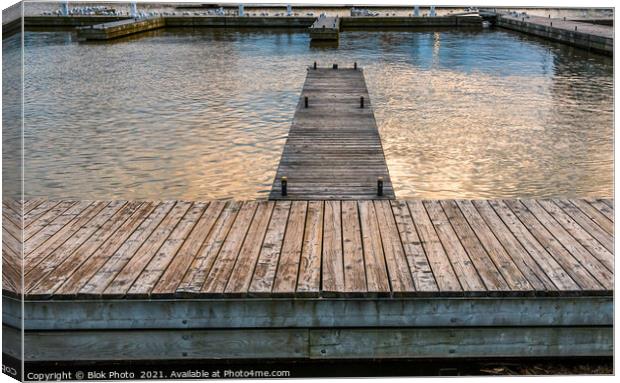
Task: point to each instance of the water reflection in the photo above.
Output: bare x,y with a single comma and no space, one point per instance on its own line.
204,113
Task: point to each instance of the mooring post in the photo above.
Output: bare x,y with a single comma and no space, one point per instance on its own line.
380,186
362,102
306,101
335,66
283,183
575,28
355,65
315,65
551,24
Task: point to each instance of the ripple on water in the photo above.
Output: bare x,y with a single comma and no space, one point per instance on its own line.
201,114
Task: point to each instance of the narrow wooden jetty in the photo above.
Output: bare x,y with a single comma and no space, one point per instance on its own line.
134,280
333,150
325,28
121,28
594,37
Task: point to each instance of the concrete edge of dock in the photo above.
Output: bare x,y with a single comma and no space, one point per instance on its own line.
576,38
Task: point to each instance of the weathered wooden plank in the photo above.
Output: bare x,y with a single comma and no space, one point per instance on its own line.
497,214
602,207
31,204
288,267
396,261
587,224
37,268
377,278
265,271
580,274
123,254
173,276
13,228
309,281
514,262
13,247
125,278
72,275
420,269
241,276
595,248
197,274
59,266
63,235
225,261
333,263
603,275
462,264
595,215
157,265
486,263
71,211
13,207
353,251
39,211
445,276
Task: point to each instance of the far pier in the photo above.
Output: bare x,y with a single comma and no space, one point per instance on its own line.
333,150
325,28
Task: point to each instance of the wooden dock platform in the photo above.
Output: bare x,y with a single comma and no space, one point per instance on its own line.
136,280
118,249
121,28
333,150
325,28
594,37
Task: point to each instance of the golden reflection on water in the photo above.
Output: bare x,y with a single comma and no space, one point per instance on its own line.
203,114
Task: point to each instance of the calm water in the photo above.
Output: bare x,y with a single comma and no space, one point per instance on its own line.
200,114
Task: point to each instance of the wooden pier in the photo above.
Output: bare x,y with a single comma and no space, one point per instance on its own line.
118,280
116,29
333,150
325,28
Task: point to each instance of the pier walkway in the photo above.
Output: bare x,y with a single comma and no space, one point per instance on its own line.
333,150
139,280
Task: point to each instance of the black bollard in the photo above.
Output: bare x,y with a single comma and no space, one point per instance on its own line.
335,66
575,28
355,65
315,65
306,101
380,186
362,102
551,24
283,183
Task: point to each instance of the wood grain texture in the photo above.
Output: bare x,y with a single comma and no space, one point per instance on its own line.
313,249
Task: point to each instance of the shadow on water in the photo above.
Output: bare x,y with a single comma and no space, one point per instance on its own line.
323,45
